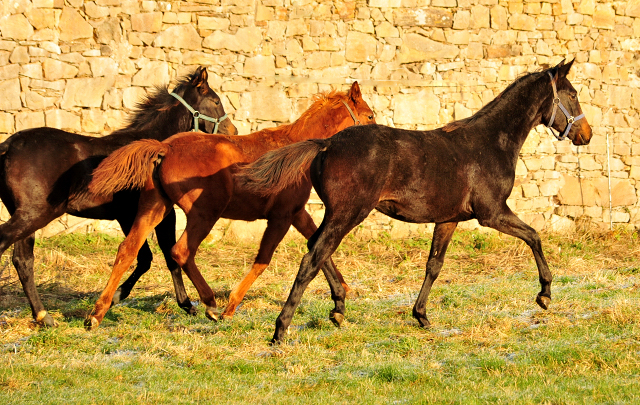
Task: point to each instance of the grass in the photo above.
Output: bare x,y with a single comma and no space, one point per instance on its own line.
489,342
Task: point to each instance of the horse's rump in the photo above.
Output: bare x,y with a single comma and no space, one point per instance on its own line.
128,167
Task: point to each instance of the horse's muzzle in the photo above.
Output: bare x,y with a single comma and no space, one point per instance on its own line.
583,135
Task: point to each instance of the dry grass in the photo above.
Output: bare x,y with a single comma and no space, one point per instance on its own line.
489,342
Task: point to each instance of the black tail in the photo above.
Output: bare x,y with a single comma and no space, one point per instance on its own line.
281,168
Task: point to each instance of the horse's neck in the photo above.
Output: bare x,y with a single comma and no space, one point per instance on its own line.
508,125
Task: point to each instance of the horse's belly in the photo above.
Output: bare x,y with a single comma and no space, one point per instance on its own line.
416,212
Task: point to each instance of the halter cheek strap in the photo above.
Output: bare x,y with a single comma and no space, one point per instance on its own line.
355,119
197,116
556,103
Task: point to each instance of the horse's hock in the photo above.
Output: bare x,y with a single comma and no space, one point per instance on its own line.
81,66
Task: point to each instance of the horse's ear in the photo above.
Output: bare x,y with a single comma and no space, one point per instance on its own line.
563,70
354,92
199,77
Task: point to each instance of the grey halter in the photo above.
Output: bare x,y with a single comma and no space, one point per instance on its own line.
197,115
355,119
556,103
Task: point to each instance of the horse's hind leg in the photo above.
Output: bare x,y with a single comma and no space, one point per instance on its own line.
166,234
507,222
441,237
23,262
276,230
305,225
151,210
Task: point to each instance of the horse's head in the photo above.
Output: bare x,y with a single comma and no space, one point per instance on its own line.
564,114
206,103
358,111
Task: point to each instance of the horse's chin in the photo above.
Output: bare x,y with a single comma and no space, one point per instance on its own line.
579,139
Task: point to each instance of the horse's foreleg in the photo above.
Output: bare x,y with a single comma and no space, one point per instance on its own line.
23,262
276,230
507,222
151,210
166,234
441,237
304,224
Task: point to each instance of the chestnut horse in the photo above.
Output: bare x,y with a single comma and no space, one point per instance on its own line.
196,173
44,173
462,171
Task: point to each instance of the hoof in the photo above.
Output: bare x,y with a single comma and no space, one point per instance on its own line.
210,313
91,323
190,310
44,319
116,297
543,301
337,318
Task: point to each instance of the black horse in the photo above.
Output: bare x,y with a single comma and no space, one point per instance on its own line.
462,171
44,173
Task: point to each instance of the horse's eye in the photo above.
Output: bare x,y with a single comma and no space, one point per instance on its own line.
572,97
371,117
217,101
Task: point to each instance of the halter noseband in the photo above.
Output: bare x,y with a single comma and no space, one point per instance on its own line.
197,115
556,103
356,121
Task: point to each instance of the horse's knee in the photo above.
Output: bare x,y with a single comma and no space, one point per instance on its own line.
179,254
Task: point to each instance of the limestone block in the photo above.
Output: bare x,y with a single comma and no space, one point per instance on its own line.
213,23
296,27
31,70
385,29
179,37
246,40
29,119
619,97
425,17
560,224
461,20
365,26
95,11
360,47
147,22
632,9
153,73
260,66
499,19
508,37
318,60
623,193
522,22
604,17
458,37
498,51
6,123
416,48
199,58
86,92
588,7
329,44
10,95
20,54
461,112
101,66
55,69
62,119
9,72
246,231
16,27
418,108
385,3
131,96
93,120
41,18
480,17
265,104
72,26
109,30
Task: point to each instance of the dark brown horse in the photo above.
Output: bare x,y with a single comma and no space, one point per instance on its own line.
462,171
196,173
44,173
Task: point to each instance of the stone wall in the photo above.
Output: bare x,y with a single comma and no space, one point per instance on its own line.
420,63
